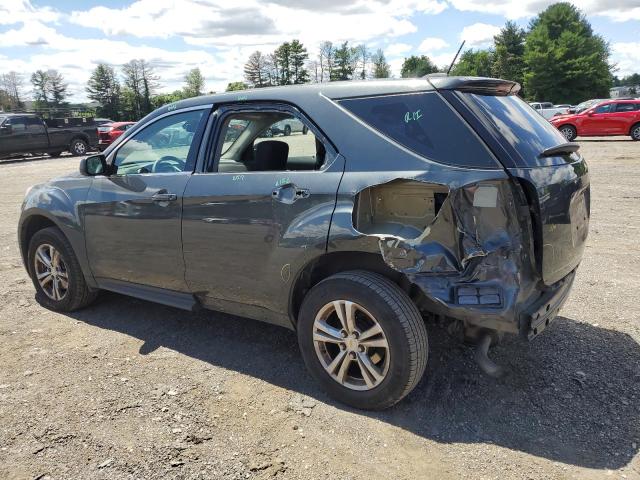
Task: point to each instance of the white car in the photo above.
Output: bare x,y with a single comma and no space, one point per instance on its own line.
548,109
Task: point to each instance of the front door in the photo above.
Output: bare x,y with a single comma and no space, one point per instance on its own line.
16,139
598,121
132,217
259,212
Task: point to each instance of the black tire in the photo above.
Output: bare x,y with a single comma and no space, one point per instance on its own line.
55,154
400,320
78,147
305,129
635,132
287,130
569,132
78,294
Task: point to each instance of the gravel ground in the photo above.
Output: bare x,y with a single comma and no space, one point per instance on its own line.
129,389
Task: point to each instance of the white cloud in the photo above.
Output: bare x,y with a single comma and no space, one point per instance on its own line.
220,23
17,11
430,44
396,49
479,34
626,56
617,10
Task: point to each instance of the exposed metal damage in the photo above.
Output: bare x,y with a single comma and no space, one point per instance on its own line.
465,247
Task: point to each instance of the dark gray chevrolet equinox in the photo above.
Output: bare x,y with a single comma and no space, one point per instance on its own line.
400,200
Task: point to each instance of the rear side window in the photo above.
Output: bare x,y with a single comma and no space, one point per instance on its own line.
525,130
627,107
426,124
604,108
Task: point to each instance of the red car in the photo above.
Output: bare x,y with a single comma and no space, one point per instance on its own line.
109,132
611,117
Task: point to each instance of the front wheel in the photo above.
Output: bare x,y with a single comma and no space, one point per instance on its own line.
635,132
363,339
569,132
78,147
56,273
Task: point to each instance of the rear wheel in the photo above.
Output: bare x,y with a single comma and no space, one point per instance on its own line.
363,339
635,132
305,129
56,273
569,132
78,147
287,130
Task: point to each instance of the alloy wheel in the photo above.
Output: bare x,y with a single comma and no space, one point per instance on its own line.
351,345
568,133
636,133
51,272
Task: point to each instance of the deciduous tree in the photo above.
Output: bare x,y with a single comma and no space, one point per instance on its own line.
415,66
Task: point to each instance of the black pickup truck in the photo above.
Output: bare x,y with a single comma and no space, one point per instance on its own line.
22,133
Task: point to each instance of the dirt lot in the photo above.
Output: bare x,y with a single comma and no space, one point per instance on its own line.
129,389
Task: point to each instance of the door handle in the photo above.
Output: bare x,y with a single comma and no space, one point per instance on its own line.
164,197
289,193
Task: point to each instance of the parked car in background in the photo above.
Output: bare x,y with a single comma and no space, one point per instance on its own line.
23,133
287,127
102,121
548,109
108,132
608,118
407,200
581,107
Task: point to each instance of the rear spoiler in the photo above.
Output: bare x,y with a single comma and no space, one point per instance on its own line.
562,149
479,85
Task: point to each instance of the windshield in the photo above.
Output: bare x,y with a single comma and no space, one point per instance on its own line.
525,130
588,104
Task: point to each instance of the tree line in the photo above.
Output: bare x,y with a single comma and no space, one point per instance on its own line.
557,58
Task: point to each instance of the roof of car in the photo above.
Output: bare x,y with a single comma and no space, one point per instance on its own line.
347,89
117,124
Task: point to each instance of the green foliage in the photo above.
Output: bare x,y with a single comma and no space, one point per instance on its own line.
257,70
194,83
141,83
344,61
565,61
415,66
49,89
629,80
165,98
381,69
11,91
103,87
472,63
235,86
508,57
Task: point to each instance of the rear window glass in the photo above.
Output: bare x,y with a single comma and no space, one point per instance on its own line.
528,132
426,124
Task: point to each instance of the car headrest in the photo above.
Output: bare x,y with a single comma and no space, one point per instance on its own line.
271,155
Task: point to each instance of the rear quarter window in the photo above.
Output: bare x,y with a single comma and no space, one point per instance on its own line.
425,124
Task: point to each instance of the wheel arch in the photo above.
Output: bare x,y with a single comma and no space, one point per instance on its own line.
331,263
29,226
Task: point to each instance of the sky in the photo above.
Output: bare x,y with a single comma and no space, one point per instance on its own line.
219,35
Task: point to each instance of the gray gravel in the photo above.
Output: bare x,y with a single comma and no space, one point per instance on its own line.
129,389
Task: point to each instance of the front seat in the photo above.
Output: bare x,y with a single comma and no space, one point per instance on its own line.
270,155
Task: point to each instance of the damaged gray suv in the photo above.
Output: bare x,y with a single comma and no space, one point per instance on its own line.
406,200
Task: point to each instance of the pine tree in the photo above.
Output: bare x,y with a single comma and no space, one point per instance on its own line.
344,63
508,58
40,82
104,88
381,69
57,88
282,57
297,57
194,83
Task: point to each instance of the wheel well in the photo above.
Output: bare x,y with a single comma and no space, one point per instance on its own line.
568,125
32,225
84,138
332,263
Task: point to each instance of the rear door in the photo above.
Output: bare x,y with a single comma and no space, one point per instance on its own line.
259,209
626,114
133,216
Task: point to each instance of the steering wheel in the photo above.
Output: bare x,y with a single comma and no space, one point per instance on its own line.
168,164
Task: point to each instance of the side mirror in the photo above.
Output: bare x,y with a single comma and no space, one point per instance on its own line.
93,165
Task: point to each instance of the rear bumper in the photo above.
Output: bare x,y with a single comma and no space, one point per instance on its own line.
540,313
